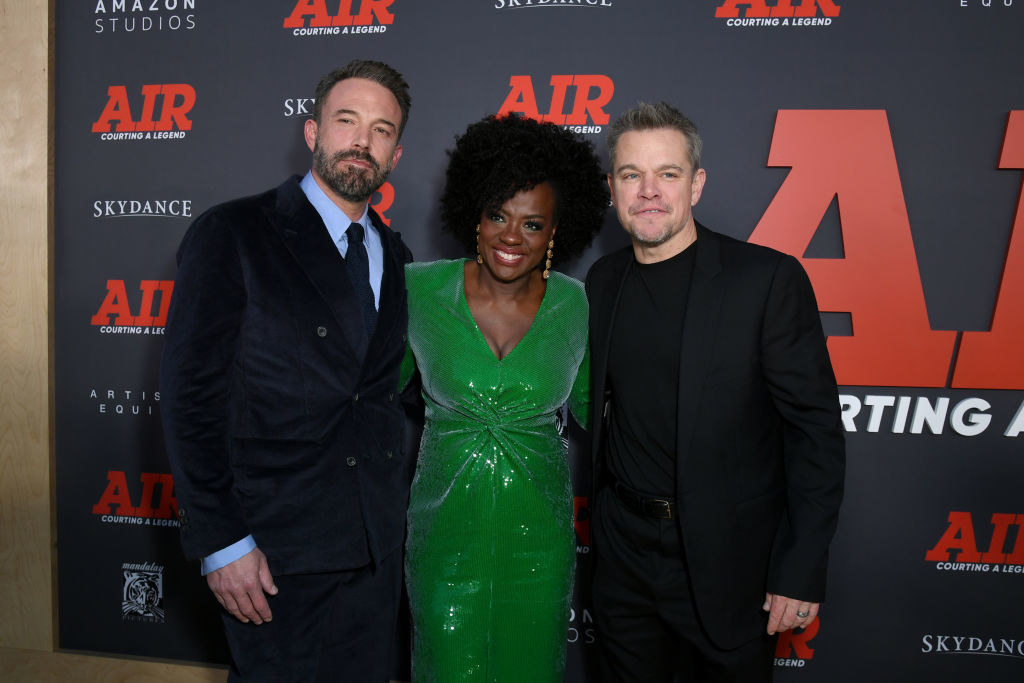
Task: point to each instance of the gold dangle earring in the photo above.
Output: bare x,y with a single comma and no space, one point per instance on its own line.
547,264
479,258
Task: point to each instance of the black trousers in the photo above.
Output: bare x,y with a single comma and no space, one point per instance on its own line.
648,629
336,626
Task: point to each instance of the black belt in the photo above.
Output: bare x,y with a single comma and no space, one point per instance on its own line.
658,508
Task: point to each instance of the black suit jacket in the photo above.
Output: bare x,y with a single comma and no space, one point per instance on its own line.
281,418
760,455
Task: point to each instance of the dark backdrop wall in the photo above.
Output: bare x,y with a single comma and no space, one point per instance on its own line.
882,142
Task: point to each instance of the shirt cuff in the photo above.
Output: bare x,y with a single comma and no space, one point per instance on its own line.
222,558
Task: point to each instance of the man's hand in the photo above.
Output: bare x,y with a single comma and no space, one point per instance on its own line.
786,613
239,587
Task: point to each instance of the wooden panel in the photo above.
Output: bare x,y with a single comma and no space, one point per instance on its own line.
25,527
32,666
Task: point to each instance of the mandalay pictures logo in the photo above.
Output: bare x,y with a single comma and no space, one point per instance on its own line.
142,594
578,102
778,13
161,113
311,18
143,16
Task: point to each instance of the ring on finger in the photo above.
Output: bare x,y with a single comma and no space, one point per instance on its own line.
803,615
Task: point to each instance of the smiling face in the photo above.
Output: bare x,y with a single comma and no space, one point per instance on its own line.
355,142
654,189
514,238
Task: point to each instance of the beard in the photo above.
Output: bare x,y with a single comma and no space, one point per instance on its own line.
351,184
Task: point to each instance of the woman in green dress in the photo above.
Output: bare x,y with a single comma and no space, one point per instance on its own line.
500,342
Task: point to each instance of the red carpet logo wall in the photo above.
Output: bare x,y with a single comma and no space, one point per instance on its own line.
895,179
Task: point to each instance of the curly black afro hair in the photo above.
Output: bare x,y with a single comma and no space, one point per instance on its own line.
498,157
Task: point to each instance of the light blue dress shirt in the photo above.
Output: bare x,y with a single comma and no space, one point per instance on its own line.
337,223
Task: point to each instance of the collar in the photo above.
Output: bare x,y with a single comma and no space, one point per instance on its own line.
334,218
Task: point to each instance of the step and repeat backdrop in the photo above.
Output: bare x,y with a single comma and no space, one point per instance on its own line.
880,142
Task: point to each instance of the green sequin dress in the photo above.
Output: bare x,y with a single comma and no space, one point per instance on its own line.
491,550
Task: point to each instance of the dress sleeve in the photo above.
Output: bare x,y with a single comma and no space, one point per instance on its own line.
579,397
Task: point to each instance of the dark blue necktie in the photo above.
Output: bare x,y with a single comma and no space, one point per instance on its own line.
359,270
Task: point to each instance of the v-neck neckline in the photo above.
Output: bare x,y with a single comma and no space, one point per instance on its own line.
476,326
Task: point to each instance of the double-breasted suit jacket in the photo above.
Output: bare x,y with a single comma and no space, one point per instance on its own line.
760,450
281,417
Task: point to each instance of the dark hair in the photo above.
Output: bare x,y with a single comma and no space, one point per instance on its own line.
378,72
498,157
645,116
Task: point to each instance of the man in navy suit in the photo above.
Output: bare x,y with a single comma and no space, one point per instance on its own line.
279,379
717,444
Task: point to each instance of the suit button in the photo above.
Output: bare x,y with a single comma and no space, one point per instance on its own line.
391,397
321,331
387,454
351,461
355,399
405,337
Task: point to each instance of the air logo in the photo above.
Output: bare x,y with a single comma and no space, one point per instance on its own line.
164,108
848,156
316,14
581,523
793,650
576,100
151,506
382,200
116,310
782,9
958,550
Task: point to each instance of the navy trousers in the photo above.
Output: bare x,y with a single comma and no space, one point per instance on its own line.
337,626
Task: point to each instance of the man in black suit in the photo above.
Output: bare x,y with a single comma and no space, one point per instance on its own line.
279,379
718,451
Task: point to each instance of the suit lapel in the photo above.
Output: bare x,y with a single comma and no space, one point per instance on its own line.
306,237
700,326
608,291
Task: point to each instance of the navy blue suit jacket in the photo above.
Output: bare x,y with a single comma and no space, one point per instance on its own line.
760,448
281,417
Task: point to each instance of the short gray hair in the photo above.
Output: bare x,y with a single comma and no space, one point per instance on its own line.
378,72
646,116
